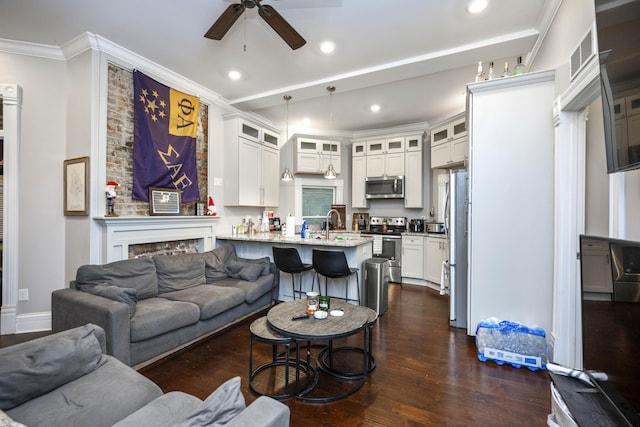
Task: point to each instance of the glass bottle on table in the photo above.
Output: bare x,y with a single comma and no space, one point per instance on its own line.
312,302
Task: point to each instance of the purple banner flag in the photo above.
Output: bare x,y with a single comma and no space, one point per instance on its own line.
164,139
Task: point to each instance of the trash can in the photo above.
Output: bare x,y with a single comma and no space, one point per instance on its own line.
376,284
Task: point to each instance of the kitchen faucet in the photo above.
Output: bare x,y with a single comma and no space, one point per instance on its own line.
327,221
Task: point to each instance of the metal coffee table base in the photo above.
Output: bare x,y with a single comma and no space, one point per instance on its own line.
359,379
325,357
260,332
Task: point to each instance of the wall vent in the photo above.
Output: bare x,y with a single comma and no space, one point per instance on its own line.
583,53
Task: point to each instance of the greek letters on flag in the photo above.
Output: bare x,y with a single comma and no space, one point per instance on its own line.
164,139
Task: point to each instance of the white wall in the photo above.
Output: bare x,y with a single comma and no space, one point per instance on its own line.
80,126
574,18
572,21
41,153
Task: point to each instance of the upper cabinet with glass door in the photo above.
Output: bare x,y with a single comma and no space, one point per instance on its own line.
385,157
313,156
450,143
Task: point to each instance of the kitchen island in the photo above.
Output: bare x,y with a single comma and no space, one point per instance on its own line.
357,249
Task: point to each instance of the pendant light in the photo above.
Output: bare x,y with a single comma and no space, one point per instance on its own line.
330,172
287,175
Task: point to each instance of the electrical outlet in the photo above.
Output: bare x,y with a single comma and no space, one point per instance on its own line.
23,294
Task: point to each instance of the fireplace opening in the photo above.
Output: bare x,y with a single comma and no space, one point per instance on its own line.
163,248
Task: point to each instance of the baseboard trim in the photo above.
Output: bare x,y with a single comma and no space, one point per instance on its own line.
33,322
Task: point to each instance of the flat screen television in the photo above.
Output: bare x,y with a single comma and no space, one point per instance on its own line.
611,325
618,32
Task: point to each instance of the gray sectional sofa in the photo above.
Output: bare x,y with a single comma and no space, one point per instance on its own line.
150,306
65,379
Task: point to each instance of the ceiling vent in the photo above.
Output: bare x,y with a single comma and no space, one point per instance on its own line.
583,53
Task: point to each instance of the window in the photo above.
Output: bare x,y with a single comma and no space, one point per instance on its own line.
314,197
316,202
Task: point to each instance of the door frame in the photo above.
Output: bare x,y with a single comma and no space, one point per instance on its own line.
12,106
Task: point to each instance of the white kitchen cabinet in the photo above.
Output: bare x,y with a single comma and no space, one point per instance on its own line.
436,252
413,143
454,128
385,157
253,160
413,174
359,149
413,257
314,155
596,266
450,143
270,177
358,175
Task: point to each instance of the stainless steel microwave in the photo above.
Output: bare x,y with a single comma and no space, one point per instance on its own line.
384,187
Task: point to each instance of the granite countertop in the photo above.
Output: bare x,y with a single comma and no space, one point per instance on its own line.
345,240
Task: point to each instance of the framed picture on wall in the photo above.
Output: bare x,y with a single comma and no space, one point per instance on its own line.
76,186
164,201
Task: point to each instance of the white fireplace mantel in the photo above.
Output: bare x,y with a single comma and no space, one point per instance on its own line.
120,232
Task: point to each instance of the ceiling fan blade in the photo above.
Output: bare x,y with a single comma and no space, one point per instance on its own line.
225,22
282,27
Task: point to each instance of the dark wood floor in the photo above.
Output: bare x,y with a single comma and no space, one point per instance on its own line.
427,374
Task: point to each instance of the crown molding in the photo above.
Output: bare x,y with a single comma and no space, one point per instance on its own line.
31,49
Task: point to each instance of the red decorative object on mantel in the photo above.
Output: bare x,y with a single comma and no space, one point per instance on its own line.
110,191
211,209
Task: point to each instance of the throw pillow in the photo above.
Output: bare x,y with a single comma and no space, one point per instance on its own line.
214,270
219,408
244,270
128,296
264,262
33,368
139,273
178,272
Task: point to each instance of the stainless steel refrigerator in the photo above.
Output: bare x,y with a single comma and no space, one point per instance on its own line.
456,216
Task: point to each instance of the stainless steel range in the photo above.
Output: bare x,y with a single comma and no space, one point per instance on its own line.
387,242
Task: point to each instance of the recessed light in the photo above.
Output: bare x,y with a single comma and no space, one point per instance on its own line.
477,6
375,108
327,47
234,75
306,120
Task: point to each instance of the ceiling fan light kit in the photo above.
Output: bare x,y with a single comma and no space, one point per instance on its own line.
231,14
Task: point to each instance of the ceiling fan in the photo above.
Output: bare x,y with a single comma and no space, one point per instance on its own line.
268,13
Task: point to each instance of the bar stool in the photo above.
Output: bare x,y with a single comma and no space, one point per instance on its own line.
261,332
333,265
288,260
